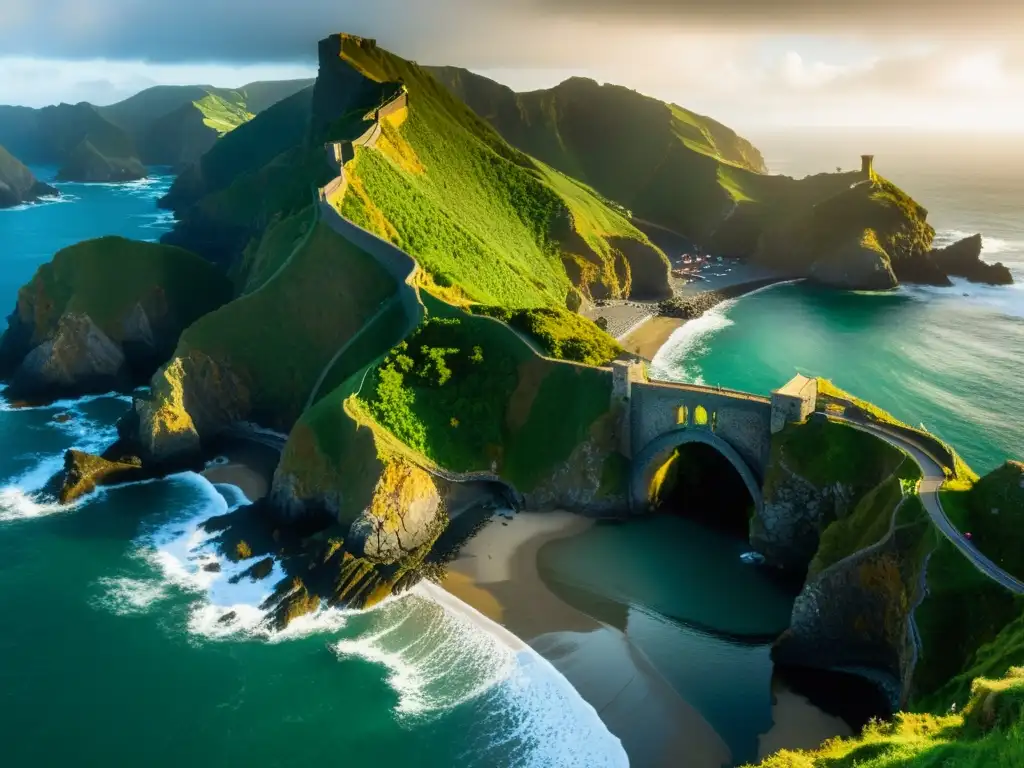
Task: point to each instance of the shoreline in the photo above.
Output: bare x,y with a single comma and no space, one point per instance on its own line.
648,334
497,574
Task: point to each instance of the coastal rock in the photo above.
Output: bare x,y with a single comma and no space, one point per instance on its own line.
87,164
191,398
80,358
17,183
84,472
856,266
405,513
963,259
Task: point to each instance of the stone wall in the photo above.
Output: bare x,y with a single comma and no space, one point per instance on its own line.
794,402
743,421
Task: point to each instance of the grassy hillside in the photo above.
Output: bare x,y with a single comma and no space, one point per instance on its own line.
279,338
480,215
660,161
176,124
76,137
993,511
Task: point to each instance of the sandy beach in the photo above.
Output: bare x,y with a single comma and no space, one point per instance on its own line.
496,573
798,724
650,336
249,466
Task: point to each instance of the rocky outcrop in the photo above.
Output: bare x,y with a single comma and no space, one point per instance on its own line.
856,616
406,511
193,398
17,184
84,472
963,259
87,164
78,358
855,266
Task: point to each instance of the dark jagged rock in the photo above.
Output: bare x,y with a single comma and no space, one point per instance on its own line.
257,572
963,259
84,472
921,270
691,307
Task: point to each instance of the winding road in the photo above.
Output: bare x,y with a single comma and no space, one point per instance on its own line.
931,483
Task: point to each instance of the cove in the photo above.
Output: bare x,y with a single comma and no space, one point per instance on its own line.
681,594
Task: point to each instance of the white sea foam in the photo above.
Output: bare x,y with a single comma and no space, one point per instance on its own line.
1006,299
42,202
990,246
674,360
21,497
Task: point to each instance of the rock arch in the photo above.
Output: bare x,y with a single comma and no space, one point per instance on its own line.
637,482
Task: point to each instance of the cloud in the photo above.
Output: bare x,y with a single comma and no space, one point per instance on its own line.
817,16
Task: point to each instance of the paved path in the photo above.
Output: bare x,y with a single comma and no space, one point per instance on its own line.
932,481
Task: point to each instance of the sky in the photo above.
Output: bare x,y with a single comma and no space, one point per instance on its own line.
925,65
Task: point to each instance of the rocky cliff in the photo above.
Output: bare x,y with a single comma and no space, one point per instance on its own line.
17,184
103,315
963,259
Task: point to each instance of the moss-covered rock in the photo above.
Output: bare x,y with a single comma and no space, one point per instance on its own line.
104,314
84,472
818,474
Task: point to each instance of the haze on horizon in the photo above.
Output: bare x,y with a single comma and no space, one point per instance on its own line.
924,65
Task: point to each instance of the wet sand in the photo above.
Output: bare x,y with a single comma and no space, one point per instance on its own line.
249,466
648,337
496,573
798,724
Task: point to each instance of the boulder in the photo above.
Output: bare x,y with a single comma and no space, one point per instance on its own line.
79,359
84,472
963,259
405,513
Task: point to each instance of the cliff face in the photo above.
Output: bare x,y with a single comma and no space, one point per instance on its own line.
103,315
17,184
839,502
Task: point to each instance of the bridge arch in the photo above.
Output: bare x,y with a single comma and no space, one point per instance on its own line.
670,440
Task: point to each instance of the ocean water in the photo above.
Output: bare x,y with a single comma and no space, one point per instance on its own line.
119,648
951,359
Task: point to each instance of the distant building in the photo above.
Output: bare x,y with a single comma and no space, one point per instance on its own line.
867,165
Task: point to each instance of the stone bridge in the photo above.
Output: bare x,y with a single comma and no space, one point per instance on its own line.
661,416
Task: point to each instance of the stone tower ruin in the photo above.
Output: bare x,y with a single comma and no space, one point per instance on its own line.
867,165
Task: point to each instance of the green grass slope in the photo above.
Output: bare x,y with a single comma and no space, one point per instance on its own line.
993,511
278,339
480,215
660,161
176,124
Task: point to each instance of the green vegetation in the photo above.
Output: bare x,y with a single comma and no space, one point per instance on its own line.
561,334
869,521
989,733
660,161
223,113
480,215
108,277
280,337
993,511
465,391
960,475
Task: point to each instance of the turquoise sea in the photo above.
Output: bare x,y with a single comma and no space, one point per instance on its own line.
119,649
949,358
